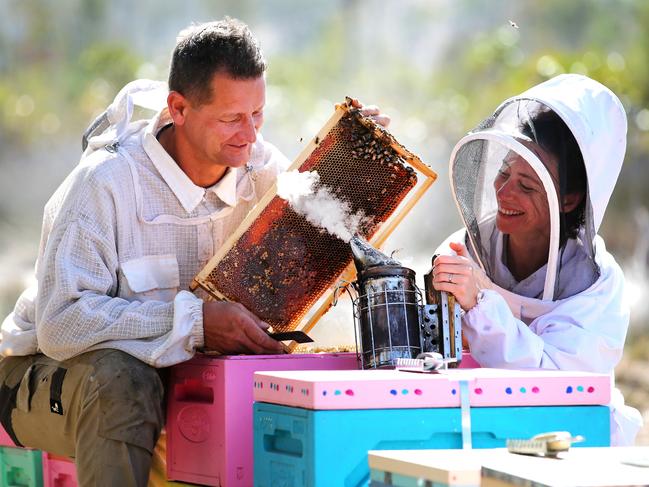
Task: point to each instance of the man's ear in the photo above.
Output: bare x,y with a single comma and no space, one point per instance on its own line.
571,201
178,106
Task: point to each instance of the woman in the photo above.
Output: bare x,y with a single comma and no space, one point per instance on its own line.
534,279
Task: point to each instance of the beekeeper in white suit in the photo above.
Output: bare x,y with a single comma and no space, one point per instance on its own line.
536,284
149,204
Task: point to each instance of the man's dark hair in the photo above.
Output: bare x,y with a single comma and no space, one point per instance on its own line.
549,131
205,49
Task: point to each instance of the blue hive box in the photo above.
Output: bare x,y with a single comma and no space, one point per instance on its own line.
296,447
314,428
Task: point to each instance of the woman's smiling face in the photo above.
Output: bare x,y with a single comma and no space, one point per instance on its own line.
523,210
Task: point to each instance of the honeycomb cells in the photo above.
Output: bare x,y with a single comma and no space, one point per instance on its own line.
283,264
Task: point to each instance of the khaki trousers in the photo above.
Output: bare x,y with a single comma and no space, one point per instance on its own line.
103,408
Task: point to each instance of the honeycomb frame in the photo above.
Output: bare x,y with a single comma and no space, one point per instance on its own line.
279,265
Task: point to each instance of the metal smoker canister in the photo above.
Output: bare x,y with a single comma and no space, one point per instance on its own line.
388,314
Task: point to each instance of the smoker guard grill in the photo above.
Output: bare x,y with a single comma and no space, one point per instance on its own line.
278,264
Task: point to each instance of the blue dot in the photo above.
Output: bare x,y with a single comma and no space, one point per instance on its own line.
508,390
393,392
324,393
453,391
569,389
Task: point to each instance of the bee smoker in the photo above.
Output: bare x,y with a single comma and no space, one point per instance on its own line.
390,319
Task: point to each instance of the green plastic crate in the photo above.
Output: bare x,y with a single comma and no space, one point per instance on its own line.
21,467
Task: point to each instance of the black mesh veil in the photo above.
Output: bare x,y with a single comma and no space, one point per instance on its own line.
526,133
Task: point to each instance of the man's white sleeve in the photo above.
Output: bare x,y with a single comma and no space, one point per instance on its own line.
76,309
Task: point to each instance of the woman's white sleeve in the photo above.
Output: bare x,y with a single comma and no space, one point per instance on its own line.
579,334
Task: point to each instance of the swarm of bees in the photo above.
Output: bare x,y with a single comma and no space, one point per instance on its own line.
367,147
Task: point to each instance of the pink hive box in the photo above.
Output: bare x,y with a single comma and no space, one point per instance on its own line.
210,418
389,389
5,439
468,362
58,471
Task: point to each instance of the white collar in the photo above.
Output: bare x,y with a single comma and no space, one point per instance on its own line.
188,193
226,188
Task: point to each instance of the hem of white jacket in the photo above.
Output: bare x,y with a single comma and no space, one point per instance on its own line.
489,327
186,334
626,421
16,341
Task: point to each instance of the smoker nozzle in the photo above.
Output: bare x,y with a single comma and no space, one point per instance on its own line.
367,256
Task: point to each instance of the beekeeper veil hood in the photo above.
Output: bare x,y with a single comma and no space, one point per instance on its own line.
562,141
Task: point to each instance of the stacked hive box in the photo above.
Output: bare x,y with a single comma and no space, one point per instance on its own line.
582,467
497,467
58,471
442,468
315,428
209,415
19,466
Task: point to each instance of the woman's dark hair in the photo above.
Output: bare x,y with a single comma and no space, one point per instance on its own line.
549,131
205,49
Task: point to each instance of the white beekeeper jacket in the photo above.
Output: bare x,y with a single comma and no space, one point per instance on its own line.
122,238
580,329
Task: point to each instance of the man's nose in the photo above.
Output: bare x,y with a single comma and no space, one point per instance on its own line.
248,131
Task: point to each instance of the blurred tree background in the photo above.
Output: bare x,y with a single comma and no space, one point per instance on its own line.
436,66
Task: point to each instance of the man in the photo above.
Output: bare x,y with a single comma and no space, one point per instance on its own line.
123,236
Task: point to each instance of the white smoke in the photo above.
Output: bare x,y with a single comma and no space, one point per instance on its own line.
318,204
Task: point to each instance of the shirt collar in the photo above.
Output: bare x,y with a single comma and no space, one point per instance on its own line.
188,193
226,188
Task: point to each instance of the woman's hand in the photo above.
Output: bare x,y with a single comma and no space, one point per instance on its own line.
460,276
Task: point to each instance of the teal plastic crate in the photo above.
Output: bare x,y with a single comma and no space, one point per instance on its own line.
21,467
296,447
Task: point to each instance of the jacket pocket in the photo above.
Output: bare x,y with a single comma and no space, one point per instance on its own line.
152,277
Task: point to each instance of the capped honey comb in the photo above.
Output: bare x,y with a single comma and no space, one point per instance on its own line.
279,265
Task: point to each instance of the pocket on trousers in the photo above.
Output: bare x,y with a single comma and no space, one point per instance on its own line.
26,390
37,380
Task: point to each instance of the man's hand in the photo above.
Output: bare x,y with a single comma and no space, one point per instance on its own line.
373,112
230,328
